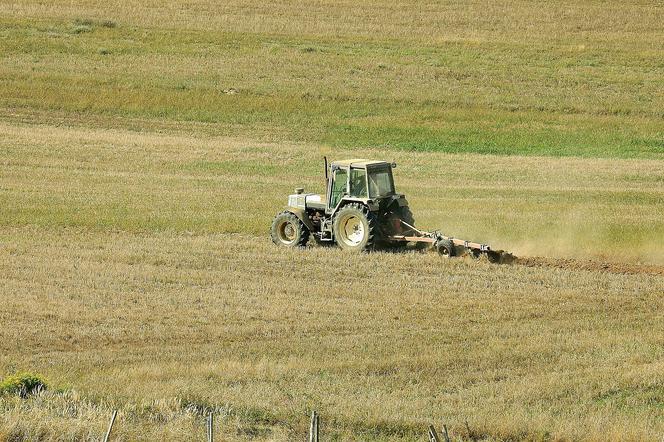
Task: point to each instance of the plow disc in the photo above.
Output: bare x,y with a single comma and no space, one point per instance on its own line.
500,257
448,246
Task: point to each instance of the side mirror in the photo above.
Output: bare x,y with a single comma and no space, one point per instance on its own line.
394,165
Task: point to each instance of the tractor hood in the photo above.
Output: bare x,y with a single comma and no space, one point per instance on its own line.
306,201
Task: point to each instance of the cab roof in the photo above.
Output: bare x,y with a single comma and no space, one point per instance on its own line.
358,163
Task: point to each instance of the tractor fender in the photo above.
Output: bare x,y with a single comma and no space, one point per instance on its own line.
302,215
371,205
401,200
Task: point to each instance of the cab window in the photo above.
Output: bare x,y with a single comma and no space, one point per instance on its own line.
338,187
358,183
380,183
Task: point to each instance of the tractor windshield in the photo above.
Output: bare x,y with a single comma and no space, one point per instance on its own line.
380,182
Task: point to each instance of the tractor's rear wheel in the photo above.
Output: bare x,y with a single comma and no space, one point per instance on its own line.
288,230
390,224
406,215
354,228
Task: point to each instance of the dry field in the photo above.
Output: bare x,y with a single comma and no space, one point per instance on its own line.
145,147
163,326
137,274
165,180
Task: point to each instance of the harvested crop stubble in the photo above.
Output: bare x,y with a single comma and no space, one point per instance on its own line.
182,179
381,344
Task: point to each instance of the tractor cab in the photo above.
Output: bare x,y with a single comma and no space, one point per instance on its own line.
359,180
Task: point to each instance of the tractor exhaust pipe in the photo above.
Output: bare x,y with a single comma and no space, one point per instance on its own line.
326,177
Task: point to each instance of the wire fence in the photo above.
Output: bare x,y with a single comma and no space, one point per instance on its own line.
314,429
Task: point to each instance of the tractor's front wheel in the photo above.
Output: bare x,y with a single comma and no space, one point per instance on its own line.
354,228
288,230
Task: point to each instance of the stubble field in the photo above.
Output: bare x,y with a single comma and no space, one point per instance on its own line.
145,149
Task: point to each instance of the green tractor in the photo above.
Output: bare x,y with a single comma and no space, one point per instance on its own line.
361,211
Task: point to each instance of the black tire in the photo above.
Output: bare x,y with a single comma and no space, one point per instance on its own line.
288,230
445,248
391,226
406,215
354,228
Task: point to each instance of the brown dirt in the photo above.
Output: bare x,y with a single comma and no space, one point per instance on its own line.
590,265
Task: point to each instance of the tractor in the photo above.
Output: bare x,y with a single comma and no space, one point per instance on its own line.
361,211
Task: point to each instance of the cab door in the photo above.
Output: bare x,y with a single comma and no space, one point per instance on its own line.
338,188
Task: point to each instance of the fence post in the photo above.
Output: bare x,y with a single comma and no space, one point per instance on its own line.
110,426
314,432
447,436
433,436
317,426
210,427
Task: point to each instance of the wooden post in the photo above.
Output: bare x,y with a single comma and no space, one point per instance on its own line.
433,436
210,427
447,436
311,426
317,427
471,435
314,432
110,426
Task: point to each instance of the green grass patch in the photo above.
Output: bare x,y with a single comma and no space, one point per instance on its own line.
23,384
491,97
